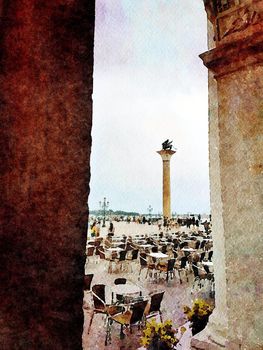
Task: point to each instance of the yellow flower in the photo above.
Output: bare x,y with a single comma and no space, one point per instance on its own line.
145,341
186,309
147,332
163,331
183,330
168,323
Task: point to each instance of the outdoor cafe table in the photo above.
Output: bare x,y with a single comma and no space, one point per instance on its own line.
166,243
140,242
145,245
89,246
126,290
188,250
117,249
117,239
158,255
116,244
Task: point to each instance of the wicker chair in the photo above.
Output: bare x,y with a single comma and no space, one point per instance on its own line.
127,319
143,263
167,268
153,308
87,282
100,306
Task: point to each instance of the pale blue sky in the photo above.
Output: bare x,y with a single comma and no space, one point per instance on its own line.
149,85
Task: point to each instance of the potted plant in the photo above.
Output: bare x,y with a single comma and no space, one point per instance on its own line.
159,336
198,315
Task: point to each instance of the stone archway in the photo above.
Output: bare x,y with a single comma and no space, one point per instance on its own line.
46,109
235,32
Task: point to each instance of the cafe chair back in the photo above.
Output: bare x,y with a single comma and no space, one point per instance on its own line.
87,281
90,251
183,268
154,308
135,254
143,263
202,245
98,293
164,249
210,255
137,312
197,244
127,319
120,281
202,256
100,306
154,249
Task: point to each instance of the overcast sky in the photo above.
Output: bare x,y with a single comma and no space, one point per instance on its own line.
149,85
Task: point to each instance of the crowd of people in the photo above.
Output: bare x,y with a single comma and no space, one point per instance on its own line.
164,224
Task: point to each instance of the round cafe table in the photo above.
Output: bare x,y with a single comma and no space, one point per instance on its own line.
126,290
145,245
158,255
188,250
117,249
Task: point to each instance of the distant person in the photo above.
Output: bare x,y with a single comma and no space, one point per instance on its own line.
98,229
93,229
206,226
160,224
111,230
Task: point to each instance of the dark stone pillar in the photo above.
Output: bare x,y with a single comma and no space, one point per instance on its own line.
46,68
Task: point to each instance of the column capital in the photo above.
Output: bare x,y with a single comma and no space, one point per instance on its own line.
231,57
237,33
166,154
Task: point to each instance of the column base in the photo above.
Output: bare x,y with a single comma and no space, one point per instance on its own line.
214,336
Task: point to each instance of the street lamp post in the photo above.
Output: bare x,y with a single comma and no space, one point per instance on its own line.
150,209
104,206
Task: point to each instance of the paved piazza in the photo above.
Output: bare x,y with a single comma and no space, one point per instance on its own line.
175,297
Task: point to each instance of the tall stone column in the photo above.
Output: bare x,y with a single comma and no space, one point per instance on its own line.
236,148
166,157
46,70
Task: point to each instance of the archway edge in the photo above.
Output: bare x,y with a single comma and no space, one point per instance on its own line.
234,61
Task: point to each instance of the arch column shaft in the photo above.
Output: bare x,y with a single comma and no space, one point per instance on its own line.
45,124
236,148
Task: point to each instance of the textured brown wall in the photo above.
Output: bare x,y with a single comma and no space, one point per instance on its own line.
45,122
